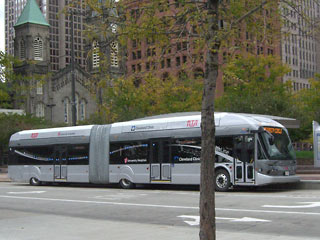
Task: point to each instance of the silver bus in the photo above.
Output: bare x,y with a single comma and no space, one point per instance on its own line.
250,151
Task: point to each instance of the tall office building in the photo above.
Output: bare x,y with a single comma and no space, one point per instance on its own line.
13,9
59,32
293,39
299,43
182,57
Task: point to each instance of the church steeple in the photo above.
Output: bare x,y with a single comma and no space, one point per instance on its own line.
32,46
32,34
31,14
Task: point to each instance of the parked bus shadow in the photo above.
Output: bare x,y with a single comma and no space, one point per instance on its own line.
268,188
167,187
117,186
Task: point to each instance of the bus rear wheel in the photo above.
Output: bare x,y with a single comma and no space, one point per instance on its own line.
34,181
126,184
222,180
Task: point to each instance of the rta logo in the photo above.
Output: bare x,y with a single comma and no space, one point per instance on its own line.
34,135
192,123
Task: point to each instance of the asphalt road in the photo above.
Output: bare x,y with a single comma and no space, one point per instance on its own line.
99,212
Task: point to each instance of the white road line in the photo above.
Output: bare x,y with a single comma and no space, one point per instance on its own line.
250,195
306,205
195,220
26,192
266,211
243,219
98,202
158,206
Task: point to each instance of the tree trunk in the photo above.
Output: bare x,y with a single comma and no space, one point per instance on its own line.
207,184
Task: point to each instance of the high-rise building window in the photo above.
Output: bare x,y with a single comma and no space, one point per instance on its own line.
178,61
168,62
38,49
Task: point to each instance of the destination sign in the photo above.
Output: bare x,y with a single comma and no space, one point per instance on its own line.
273,130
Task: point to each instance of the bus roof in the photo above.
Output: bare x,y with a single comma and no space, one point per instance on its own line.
78,131
226,122
193,120
285,121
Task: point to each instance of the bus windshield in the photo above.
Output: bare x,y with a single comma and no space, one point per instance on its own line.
277,144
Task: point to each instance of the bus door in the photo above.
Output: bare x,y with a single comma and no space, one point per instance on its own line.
244,159
160,167
60,163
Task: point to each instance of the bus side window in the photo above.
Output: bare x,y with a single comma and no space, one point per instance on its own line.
244,148
129,153
238,146
38,155
225,145
186,150
78,154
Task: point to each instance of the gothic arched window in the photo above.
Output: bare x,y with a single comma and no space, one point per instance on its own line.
39,88
38,49
95,55
40,110
77,106
66,109
22,52
82,109
114,61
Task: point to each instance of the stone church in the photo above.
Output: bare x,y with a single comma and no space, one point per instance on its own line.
48,94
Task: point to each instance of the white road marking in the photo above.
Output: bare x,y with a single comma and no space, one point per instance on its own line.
157,206
98,202
26,192
251,195
307,205
266,211
196,219
244,219
118,196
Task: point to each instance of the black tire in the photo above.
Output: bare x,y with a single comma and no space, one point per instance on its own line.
126,184
222,181
34,181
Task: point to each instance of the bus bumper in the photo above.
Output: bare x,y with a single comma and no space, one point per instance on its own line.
262,179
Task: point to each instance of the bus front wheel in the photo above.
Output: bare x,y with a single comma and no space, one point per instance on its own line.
222,180
34,181
126,184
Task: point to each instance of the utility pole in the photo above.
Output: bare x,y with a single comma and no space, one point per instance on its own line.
73,84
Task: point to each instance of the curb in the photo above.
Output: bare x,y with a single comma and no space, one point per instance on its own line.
308,184
4,178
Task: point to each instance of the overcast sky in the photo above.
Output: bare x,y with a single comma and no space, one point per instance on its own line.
2,39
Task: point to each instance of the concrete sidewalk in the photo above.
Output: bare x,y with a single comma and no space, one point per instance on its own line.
4,177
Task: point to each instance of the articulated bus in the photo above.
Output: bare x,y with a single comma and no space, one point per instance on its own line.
251,150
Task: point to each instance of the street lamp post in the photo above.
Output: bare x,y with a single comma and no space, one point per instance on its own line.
73,84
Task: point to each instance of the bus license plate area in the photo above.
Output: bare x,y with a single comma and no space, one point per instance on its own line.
286,173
